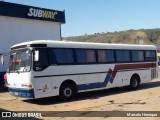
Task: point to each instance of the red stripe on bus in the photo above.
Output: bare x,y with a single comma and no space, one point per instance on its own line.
110,71
114,74
131,66
134,66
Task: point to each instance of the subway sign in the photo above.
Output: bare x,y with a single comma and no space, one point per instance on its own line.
42,13
30,12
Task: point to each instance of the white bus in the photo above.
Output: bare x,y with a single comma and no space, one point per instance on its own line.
46,68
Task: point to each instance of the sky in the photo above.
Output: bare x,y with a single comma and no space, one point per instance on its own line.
97,16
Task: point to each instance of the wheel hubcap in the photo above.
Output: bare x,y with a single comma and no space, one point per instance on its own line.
67,92
135,83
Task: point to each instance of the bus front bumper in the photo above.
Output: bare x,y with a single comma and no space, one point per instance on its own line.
21,92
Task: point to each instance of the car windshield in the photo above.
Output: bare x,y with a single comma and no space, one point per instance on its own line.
20,60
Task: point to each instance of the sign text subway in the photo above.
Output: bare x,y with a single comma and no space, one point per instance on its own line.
39,13
30,12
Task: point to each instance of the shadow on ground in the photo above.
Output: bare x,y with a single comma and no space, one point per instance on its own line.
93,94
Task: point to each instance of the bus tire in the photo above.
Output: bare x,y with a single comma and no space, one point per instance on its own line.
67,91
134,83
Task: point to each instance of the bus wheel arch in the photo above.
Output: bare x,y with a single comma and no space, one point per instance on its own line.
67,90
135,81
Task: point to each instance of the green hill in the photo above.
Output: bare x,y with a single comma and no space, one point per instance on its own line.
150,36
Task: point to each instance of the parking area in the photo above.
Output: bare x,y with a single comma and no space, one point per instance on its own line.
146,98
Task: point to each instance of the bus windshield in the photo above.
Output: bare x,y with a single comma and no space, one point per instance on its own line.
20,61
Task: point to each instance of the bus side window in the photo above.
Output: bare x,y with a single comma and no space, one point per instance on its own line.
137,55
123,55
150,55
85,56
52,57
63,56
42,61
105,56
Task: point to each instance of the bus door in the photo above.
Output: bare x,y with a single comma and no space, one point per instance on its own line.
40,65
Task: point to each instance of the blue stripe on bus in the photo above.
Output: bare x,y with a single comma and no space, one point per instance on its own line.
108,78
111,80
2,79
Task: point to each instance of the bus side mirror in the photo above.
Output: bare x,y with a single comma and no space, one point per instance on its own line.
2,59
36,55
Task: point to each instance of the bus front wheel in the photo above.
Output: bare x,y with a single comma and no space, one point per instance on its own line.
67,91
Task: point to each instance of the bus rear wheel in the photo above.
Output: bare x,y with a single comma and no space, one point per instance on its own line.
134,83
67,91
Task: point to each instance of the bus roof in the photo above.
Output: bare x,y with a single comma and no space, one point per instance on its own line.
89,45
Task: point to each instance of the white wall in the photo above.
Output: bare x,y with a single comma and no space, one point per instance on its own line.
17,30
